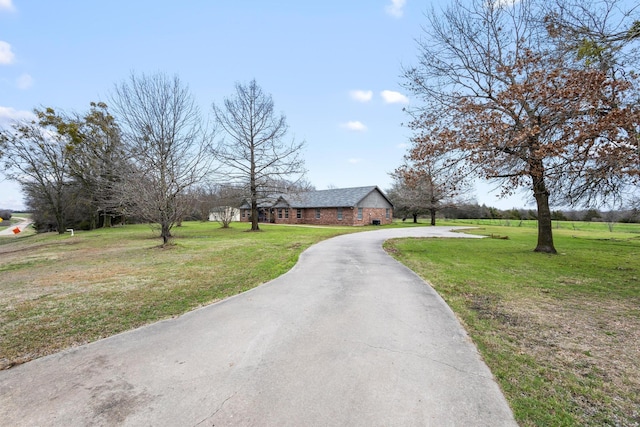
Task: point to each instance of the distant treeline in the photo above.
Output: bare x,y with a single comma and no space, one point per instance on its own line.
475,211
200,212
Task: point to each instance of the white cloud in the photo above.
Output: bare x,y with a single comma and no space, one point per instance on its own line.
505,3
392,97
6,5
8,115
25,81
355,126
355,161
403,146
395,9
6,55
361,95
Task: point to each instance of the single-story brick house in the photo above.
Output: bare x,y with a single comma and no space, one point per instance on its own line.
339,206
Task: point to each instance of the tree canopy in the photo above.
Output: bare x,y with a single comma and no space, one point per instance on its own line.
36,155
253,150
166,144
428,184
502,96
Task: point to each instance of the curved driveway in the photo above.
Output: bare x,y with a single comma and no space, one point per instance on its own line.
8,231
348,337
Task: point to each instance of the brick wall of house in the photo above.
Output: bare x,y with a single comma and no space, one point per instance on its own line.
329,216
380,214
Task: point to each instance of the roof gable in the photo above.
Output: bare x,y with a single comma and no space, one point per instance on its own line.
336,197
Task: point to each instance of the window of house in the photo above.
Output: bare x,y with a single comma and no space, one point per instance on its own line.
387,213
286,212
280,213
339,213
317,213
359,213
298,213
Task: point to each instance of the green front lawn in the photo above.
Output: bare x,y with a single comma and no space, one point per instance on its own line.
559,332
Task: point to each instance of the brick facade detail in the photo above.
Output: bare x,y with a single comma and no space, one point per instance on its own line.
360,206
328,216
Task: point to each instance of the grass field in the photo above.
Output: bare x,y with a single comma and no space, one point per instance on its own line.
57,291
560,333
595,226
8,223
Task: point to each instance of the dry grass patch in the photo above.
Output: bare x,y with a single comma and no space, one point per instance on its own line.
598,342
57,291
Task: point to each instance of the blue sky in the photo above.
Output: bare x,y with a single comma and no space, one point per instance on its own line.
333,68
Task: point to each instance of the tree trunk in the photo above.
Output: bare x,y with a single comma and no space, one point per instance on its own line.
166,234
254,190
433,216
94,220
545,226
60,222
415,218
254,216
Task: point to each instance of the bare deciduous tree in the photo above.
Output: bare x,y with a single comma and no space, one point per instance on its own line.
227,201
428,185
224,215
166,144
254,152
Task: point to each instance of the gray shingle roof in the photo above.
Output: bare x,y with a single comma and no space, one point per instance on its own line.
337,197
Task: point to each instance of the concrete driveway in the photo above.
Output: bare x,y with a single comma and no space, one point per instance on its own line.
8,230
348,337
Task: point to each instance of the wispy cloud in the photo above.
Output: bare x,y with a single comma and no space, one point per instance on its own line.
396,8
354,126
9,114
6,55
354,161
361,95
25,81
7,5
403,146
505,3
392,97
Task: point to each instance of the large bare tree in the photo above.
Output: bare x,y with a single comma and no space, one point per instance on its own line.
254,152
167,145
499,95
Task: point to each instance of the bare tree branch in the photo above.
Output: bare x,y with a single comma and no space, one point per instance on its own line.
166,143
254,153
